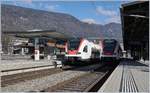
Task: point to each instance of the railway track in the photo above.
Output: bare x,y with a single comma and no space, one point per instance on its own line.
22,77
89,82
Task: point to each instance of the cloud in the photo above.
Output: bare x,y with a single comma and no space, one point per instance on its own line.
89,21
27,1
14,3
100,10
111,15
115,19
51,7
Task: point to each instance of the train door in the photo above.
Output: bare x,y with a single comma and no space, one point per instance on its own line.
86,52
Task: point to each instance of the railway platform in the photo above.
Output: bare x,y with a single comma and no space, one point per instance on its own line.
9,67
129,76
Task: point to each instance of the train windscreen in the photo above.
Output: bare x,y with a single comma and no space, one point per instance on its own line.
109,45
73,44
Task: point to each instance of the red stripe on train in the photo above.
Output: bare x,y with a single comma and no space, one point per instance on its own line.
72,52
108,53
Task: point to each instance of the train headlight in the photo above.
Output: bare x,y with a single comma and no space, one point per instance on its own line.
115,53
79,58
79,53
66,58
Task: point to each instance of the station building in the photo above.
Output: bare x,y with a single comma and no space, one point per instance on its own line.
45,42
22,36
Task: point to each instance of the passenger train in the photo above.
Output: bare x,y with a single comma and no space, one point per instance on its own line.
81,51
111,50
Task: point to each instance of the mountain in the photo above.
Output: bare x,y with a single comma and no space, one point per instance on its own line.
16,18
113,30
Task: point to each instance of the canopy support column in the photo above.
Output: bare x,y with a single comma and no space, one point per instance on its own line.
36,49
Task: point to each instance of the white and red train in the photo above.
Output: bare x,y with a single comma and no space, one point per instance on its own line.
83,51
111,50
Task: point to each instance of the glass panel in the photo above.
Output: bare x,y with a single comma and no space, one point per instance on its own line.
73,44
109,45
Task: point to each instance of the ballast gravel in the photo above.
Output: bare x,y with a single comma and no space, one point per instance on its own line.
45,82
42,83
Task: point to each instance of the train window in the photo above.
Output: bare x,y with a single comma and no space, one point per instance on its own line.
109,45
73,44
85,49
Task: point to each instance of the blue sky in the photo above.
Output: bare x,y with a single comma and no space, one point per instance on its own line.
99,12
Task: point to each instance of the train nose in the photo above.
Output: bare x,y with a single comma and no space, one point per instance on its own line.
108,53
72,52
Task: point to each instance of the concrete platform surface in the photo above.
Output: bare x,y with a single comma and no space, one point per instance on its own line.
129,76
20,64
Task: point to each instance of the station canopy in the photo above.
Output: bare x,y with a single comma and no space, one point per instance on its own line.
42,34
135,23
30,23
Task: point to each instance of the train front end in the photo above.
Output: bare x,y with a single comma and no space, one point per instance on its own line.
110,52
73,55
